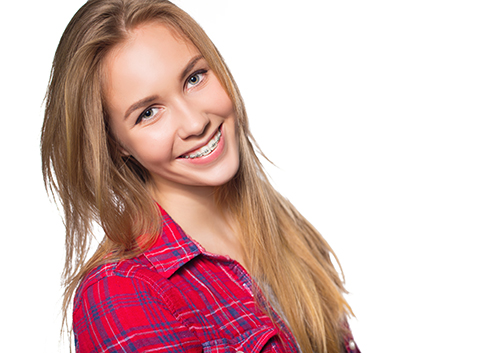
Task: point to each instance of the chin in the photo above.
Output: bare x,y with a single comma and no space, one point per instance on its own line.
222,176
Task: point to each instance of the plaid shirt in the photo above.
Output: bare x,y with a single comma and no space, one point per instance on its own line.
175,297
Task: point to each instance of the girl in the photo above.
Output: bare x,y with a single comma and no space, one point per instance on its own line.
146,134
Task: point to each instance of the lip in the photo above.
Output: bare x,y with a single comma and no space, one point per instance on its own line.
210,157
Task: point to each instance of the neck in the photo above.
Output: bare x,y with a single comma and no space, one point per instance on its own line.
195,210
177,199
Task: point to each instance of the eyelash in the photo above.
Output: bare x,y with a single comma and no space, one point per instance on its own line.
143,115
197,73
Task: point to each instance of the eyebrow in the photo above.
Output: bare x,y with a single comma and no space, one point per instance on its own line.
140,104
148,100
190,66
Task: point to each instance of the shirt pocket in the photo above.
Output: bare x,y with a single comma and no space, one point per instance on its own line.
251,341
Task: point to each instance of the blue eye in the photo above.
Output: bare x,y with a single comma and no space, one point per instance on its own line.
196,78
148,114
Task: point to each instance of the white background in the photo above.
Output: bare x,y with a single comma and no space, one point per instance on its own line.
383,118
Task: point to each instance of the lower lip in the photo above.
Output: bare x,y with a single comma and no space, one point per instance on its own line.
210,157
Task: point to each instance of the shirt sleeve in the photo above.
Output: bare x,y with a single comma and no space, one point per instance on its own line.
125,314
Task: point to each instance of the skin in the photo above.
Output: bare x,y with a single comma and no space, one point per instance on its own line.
185,107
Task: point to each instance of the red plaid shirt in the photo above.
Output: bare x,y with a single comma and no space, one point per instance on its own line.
175,297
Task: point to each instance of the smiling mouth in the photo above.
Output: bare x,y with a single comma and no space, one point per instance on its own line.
206,149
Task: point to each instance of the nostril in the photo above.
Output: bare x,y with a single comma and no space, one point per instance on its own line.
194,129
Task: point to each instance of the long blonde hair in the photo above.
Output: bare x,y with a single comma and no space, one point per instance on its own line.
82,164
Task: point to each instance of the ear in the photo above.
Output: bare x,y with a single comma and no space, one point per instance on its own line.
123,151
117,145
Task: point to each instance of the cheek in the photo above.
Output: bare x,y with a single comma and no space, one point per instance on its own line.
148,146
220,102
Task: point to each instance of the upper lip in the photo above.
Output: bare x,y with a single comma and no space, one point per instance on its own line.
202,143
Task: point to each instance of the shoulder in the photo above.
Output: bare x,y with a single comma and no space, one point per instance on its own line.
127,303
108,275
113,282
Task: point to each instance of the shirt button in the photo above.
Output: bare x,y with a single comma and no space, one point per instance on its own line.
352,345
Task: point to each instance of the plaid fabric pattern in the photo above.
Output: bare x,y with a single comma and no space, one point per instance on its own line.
175,297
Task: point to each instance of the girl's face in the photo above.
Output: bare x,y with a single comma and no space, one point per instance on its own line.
169,111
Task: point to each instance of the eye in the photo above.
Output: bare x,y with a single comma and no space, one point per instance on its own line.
195,78
148,114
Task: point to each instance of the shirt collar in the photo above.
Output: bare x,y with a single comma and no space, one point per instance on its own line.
172,249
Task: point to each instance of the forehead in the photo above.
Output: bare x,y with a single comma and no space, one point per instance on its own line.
150,51
149,40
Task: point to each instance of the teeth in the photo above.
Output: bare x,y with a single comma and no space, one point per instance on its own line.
209,147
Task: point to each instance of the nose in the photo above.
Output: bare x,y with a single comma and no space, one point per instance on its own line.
192,121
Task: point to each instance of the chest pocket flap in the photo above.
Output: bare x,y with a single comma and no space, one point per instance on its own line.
251,341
